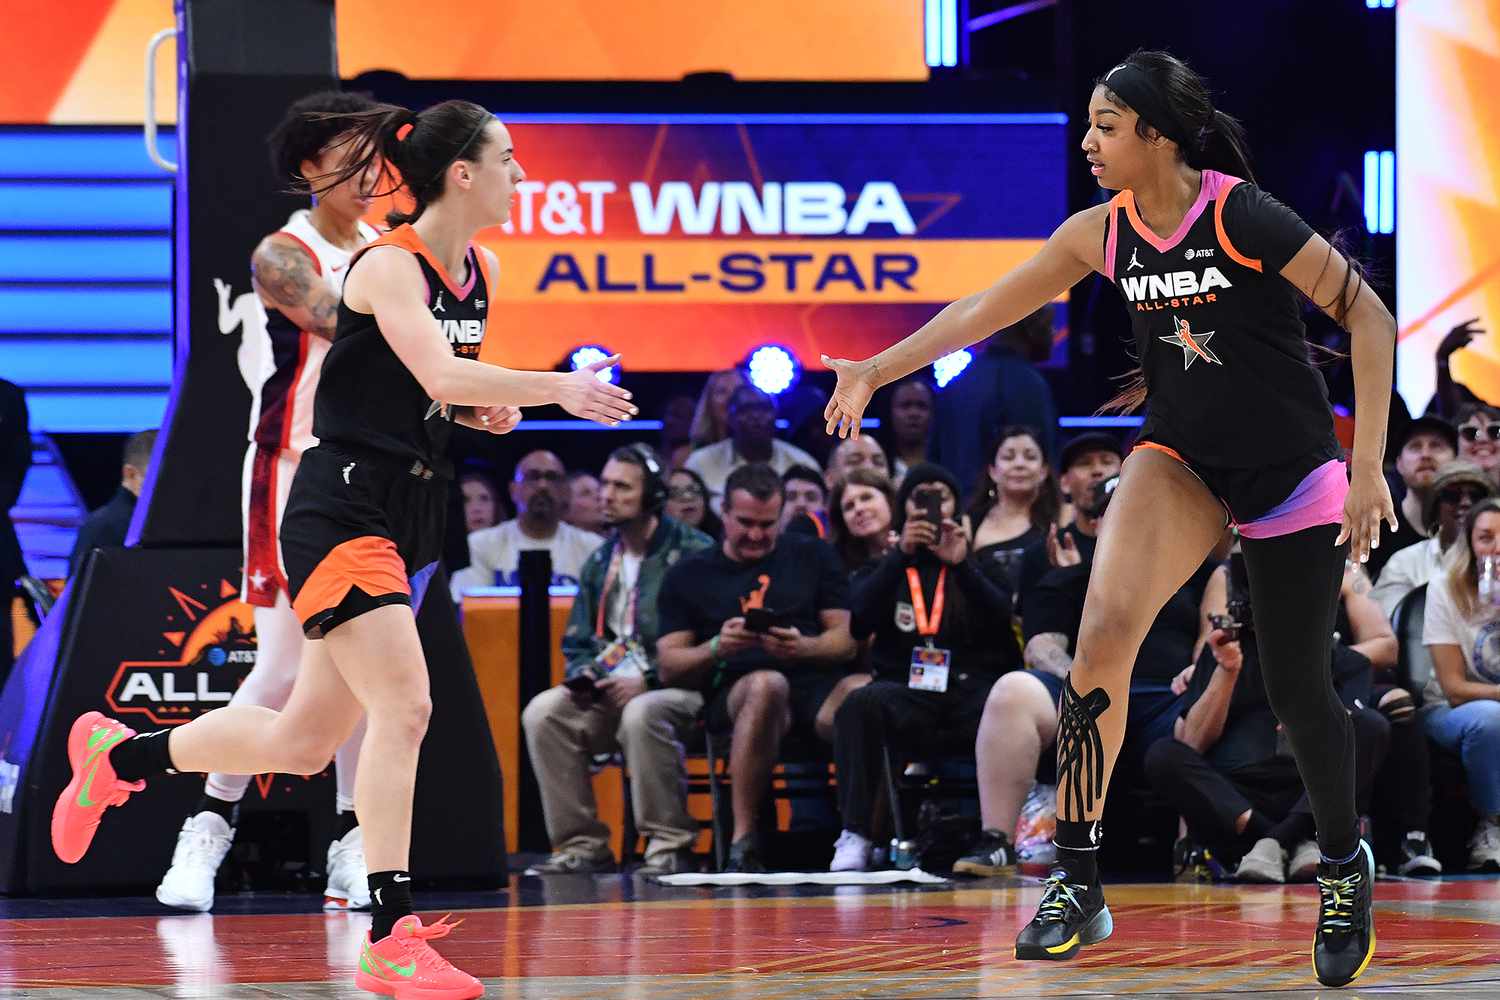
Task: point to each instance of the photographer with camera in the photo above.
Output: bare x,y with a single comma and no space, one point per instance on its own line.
1229,770
1020,717
761,624
612,697
940,629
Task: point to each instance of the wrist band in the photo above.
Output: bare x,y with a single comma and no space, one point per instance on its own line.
713,648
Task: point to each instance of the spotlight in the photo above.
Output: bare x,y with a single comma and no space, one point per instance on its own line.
773,369
587,355
950,366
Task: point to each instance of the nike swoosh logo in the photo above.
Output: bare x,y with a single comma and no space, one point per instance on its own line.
398,878
405,971
99,743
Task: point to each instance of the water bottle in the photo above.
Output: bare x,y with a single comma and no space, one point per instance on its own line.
903,854
1489,580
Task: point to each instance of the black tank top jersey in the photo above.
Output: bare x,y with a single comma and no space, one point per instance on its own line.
368,401
1218,331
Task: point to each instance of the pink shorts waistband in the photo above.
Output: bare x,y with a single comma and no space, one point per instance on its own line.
1318,499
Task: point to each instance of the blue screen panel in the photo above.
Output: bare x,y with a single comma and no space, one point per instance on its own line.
92,413
85,206
85,309
88,361
67,257
69,153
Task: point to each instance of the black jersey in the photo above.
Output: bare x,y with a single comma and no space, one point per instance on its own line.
367,400
1218,331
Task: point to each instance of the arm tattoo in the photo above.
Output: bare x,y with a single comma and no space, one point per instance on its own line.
1080,752
1048,652
288,278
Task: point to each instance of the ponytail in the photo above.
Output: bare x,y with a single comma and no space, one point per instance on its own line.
420,146
1222,147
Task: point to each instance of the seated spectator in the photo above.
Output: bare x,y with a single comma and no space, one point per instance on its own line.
1459,485
613,697
1020,714
1086,461
1461,709
1015,503
806,507
1228,768
1479,438
687,501
585,508
752,440
539,491
711,417
677,429
940,628
863,452
483,507
862,514
1428,443
1001,386
913,401
761,624
106,527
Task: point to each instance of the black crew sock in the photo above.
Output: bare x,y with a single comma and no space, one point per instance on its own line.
144,755
1078,850
390,900
343,823
1295,829
208,804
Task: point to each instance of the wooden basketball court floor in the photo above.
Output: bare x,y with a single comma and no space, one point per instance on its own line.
590,937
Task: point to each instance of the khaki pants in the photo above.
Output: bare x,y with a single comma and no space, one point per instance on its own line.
561,738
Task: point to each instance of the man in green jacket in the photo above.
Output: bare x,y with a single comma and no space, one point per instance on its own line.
612,697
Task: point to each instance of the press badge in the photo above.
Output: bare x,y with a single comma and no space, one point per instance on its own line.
620,659
929,669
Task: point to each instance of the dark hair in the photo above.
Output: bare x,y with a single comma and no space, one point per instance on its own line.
421,146
758,479
306,130
138,448
1207,139
986,495
852,553
578,474
805,474
1468,411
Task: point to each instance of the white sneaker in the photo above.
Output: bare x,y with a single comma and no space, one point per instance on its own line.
1265,862
1304,864
348,879
851,853
201,846
1484,847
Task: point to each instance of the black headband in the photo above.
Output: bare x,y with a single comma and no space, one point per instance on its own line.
1135,87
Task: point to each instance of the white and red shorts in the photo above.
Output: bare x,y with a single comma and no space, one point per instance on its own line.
267,481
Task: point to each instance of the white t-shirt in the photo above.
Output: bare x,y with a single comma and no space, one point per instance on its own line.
1478,636
1405,571
495,555
715,462
619,604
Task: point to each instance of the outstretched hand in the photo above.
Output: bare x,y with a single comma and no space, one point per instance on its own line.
856,384
584,395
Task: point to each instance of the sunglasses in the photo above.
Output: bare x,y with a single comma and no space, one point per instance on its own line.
685,493
1457,494
1471,433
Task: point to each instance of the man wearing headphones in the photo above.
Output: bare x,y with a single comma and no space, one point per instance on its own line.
612,697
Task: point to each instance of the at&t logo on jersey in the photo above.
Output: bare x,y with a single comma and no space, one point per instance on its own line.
1174,289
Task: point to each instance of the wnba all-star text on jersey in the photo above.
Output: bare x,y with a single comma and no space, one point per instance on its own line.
1173,290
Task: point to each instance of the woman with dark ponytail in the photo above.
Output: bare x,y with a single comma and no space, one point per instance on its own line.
1239,430
363,527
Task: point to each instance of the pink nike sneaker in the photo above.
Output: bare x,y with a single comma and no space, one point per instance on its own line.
94,787
403,965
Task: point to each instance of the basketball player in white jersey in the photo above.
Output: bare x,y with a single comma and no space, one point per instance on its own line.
298,276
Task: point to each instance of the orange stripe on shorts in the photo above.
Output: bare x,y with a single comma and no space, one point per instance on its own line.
369,562
1169,452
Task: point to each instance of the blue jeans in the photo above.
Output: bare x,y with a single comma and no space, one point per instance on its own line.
1473,731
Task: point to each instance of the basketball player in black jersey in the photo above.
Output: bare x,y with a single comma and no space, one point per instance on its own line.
1239,430
363,527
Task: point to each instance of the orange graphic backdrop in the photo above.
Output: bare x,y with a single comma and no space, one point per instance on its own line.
81,61
1447,191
